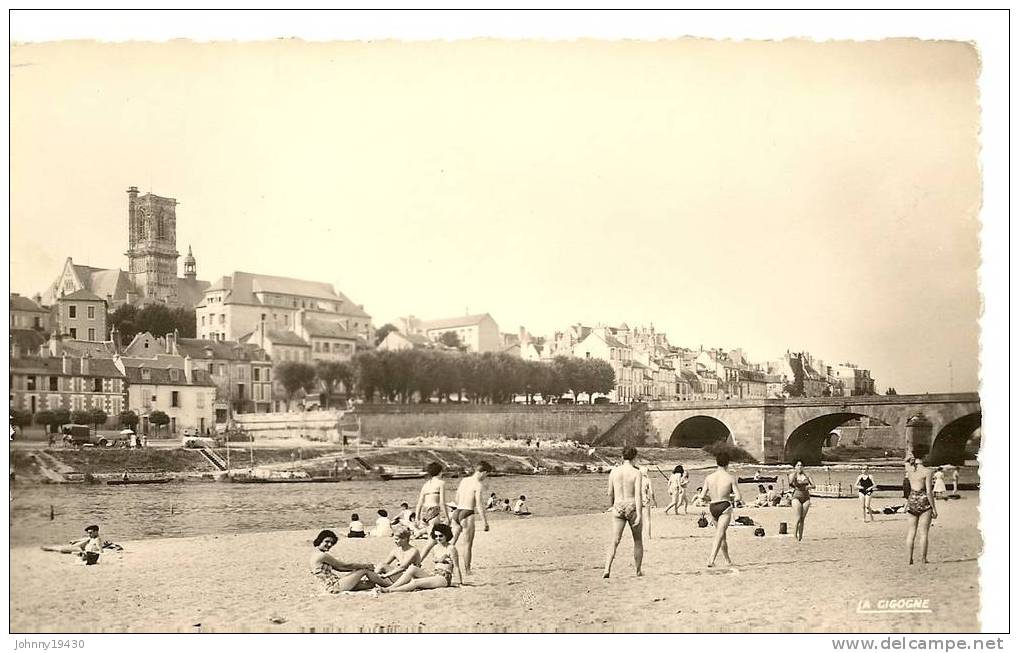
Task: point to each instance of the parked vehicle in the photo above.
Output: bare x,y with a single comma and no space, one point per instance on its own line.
79,435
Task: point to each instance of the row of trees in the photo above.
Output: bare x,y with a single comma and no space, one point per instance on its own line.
410,374
157,319
52,420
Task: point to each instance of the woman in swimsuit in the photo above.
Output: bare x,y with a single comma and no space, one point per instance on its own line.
401,557
446,564
431,505
919,505
801,484
677,490
865,488
324,566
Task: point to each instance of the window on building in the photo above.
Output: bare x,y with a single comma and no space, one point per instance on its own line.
200,400
72,311
92,335
263,317
54,383
146,374
91,312
37,323
174,375
318,346
30,382
74,333
241,373
97,385
203,320
174,399
255,373
222,318
286,320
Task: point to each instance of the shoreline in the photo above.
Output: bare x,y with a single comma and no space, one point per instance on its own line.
540,574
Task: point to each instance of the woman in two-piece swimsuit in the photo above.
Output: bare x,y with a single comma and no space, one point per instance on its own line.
431,503
355,576
446,564
865,488
919,505
801,484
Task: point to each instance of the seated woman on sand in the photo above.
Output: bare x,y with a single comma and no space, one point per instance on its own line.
698,501
358,576
446,564
763,499
401,557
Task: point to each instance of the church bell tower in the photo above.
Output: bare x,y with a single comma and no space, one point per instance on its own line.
152,245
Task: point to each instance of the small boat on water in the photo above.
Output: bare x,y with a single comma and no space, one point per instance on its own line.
138,481
396,473
889,487
266,479
758,479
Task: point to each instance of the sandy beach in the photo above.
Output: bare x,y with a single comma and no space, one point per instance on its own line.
531,574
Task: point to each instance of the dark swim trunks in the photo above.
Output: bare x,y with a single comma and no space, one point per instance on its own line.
461,514
718,508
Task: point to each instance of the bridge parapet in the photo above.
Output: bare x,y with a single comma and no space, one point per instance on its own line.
835,402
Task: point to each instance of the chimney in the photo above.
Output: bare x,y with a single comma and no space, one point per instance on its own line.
115,338
65,363
261,334
56,345
171,342
85,364
187,369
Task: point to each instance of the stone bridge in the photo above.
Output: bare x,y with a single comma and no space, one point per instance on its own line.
787,430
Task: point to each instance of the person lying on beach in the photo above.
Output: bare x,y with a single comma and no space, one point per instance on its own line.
356,528
521,508
88,547
401,557
445,565
354,576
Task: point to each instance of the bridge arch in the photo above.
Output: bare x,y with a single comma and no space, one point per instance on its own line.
805,442
698,431
949,445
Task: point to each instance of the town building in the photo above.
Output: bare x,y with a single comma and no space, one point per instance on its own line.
81,315
329,340
29,313
397,341
46,382
855,380
171,384
234,307
630,375
476,333
152,256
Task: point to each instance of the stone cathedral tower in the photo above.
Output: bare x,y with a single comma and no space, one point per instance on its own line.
152,246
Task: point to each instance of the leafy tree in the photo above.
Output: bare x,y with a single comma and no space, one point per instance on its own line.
44,418
21,418
81,417
61,416
157,319
295,376
333,373
127,419
451,339
158,418
97,417
366,373
602,378
382,332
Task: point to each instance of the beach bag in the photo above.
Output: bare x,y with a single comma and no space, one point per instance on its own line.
759,532
745,521
783,528
702,522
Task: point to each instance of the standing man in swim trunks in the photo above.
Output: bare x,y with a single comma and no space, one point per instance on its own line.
724,490
627,500
431,503
468,506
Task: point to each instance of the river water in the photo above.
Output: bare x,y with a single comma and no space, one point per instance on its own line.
187,509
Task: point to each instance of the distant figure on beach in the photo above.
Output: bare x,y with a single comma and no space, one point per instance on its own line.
762,500
773,496
401,557
626,496
358,576
87,548
431,503
940,490
723,490
446,565
648,500
698,500
383,528
468,504
801,484
356,528
677,490
920,504
505,505
955,480
520,508
406,516
865,489
492,503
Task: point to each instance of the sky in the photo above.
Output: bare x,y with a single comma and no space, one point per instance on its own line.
788,195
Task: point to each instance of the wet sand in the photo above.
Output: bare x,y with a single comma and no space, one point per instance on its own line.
531,574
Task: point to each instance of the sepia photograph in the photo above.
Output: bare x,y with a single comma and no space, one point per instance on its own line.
676,331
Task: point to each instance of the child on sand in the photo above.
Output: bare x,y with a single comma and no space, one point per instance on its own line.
521,508
382,526
323,566
87,548
492,502
356,528
506,505
446,565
